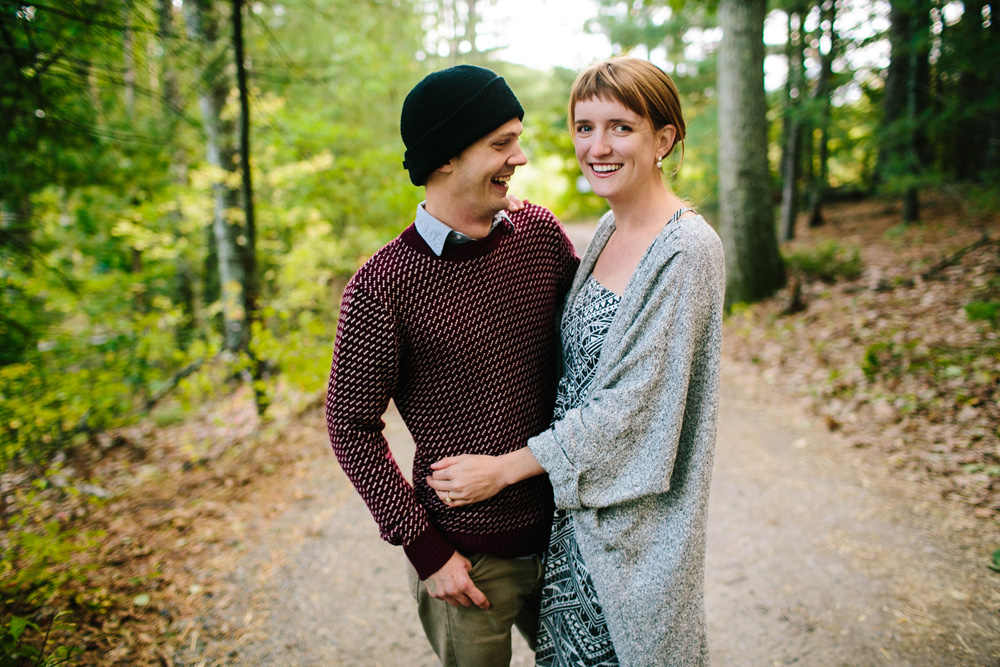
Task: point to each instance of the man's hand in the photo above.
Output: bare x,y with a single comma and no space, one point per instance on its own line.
466,479
453,585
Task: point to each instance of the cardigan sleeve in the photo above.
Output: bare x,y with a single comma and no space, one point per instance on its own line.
362,378
622,443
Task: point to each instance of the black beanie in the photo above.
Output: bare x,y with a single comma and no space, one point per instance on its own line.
450,110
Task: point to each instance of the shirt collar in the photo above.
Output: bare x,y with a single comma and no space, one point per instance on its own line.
437,234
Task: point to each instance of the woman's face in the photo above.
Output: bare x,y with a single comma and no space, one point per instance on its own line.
617,148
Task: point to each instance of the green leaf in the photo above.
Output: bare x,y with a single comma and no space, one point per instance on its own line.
17,626
995,565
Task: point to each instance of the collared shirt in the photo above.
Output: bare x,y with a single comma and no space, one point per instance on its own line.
437,234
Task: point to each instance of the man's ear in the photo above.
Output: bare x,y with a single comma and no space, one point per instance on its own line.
446,168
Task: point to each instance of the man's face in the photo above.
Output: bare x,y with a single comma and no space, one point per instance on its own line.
481,173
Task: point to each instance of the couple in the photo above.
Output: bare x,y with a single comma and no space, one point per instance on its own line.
564,417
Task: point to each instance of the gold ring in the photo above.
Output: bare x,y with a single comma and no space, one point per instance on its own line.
447,497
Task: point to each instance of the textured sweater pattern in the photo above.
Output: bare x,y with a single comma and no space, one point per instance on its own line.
466,346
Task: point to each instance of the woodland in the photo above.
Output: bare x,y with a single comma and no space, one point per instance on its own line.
185,185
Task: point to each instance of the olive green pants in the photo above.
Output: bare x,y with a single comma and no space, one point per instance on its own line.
474,637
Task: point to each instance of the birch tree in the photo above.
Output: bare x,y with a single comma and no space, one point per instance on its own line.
793,126
203,26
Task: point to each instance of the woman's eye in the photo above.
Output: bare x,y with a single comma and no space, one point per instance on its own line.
623,128
583,128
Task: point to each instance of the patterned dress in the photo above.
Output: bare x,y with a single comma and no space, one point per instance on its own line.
572,629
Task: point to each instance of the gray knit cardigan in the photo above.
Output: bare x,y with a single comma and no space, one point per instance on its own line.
633,463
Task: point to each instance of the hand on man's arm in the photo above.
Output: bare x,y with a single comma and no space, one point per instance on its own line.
453,585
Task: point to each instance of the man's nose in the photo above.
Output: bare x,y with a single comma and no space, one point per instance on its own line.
518,158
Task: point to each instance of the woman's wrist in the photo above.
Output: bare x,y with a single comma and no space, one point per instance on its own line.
517,466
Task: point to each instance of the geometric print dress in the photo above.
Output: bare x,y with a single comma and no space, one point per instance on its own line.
572,629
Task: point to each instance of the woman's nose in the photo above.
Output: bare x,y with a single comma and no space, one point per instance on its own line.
600,146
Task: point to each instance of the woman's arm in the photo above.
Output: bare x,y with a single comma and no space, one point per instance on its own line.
657,380
472,478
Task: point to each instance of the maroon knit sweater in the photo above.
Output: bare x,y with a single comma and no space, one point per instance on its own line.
466,344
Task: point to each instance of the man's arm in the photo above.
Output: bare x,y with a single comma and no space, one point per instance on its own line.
364,371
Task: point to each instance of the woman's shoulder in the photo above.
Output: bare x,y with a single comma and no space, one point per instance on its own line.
690,234
694,228
690,247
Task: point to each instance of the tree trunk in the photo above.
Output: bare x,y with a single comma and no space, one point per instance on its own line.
185,280
472,27
821,96
203,26
977,81
746,219
905,100
992,39
249,249
128,52
168,84
791,154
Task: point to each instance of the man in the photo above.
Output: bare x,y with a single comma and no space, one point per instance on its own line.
455,321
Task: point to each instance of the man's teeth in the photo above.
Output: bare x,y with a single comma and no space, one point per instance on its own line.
605,168
501,180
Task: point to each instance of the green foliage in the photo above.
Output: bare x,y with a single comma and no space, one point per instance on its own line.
111,333
995,561
39,560
972,370
986,311
18,639
108,283
829,261
984,198
879,356
41,569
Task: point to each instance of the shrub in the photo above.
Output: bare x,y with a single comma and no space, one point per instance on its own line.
987,311
828,261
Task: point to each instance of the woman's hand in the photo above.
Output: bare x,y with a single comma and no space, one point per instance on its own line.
466,479
472,478
515,205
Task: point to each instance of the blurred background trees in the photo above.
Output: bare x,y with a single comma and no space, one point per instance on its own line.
131,273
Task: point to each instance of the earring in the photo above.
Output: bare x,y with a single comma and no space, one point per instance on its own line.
659,163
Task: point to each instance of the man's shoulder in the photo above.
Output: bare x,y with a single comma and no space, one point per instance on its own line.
533,215
387,260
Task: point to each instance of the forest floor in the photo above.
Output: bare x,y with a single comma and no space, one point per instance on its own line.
855,506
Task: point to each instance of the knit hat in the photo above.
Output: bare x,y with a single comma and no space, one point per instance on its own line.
450,110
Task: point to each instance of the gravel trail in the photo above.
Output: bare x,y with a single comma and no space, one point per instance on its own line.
815,557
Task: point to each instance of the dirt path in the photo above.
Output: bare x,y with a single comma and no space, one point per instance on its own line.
815,557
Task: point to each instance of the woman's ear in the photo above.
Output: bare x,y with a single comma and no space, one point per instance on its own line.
667,137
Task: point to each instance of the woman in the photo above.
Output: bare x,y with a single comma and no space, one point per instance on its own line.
629,452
